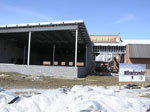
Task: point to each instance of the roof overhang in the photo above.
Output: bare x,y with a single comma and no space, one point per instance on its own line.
109,44
83,36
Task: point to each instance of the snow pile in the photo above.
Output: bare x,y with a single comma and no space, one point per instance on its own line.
80,99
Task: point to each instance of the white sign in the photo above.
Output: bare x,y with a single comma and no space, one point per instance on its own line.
132,72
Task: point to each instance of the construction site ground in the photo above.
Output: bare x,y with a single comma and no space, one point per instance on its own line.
16,80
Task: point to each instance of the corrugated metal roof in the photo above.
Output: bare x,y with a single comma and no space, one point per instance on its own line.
83,36
139,50
42,24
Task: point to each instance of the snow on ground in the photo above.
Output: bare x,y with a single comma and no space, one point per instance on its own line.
80,99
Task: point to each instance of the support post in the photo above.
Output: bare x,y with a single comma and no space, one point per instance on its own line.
24,55
119,85
125,58
53,54
86,56
29,45
143,84
76,47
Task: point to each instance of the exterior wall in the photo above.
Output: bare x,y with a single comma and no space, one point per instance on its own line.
45,70
139,50
89,58
148,69
128,61
82,71
137,60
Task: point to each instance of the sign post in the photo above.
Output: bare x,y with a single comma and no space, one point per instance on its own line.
132,73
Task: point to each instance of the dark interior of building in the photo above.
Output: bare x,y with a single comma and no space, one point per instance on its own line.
14,48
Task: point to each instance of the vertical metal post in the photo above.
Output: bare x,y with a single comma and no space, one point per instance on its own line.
29,45
86,55
125,58
53,54
24,55
76,47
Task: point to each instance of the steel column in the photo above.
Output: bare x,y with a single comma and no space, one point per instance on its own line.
24,55
29,45
76,47
53,54
125,58
86,55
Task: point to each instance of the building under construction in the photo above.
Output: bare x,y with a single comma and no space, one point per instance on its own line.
108,52
65,49
51,48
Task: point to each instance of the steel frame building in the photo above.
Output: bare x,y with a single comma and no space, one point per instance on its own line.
108,51
57,42
65,49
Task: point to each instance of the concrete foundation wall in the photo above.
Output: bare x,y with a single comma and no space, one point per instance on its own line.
45,70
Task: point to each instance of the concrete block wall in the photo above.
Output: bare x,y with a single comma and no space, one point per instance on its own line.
45,70
82,71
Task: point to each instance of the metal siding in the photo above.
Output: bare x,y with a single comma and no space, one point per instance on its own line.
38,28
139,51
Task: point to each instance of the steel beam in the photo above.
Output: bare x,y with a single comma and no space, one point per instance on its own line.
29,45
38,28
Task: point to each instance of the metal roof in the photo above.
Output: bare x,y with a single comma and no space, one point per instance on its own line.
42,24
71,26
125,42
108,44
139,50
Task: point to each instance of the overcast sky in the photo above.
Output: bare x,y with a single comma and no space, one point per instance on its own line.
130,18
